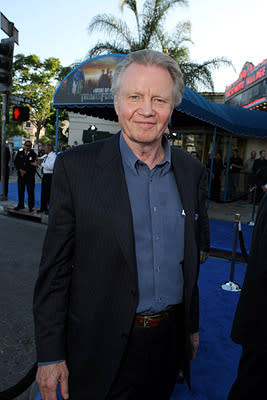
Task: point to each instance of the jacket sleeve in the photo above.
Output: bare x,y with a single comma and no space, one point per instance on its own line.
204,244
17,161
194,310
51,293
203,220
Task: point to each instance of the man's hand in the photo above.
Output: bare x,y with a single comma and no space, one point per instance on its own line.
194,337
203,256
47,378
36,163
22,172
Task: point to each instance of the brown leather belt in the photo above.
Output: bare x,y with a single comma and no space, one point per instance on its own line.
152,321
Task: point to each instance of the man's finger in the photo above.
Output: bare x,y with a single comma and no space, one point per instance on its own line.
48,389
51,392
64,389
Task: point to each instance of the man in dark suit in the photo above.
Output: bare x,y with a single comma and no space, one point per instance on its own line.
250,323
116,300
24,163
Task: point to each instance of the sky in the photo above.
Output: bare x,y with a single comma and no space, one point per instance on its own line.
235,29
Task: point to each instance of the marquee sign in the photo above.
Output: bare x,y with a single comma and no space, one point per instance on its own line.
249,76
89,83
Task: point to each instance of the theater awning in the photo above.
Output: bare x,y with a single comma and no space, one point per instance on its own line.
87,90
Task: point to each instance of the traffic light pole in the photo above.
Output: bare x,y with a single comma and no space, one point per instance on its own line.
3,145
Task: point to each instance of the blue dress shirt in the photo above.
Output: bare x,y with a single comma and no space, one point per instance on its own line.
158,230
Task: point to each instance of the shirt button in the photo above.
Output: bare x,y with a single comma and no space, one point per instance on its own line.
157,238
154,209
158,269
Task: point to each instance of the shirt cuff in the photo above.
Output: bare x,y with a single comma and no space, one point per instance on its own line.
40,364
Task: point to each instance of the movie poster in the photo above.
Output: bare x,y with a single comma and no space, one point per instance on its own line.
89,83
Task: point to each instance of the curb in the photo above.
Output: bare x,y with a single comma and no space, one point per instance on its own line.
8,204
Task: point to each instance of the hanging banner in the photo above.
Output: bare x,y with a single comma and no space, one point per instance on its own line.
89,83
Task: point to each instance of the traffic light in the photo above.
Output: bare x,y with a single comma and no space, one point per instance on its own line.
6,60
20,113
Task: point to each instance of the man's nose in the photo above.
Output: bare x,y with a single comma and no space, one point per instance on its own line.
147,107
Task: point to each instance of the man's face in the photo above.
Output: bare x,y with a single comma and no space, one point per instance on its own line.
235,153
263,154
144,103
27,146
253,154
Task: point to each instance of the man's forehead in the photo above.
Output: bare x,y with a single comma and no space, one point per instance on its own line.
139,77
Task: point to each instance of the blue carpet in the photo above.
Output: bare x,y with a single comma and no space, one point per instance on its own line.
222,232
13,193
214,369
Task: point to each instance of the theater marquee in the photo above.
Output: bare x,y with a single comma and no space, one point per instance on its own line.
250,89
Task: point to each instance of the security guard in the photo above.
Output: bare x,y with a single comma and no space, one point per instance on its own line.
26,171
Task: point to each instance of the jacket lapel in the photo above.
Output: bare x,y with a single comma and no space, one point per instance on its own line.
115,199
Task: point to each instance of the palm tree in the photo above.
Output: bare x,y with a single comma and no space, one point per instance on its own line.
148,25
150,34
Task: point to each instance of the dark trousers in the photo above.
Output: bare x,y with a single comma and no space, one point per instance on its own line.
26,180
46,189
149,366
251,381
215,188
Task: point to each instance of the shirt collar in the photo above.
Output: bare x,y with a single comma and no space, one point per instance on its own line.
130,159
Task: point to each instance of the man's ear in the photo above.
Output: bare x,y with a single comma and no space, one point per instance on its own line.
116,104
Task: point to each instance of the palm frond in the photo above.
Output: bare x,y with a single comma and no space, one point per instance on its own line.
132,5
110,25
196,76
107,48
154,14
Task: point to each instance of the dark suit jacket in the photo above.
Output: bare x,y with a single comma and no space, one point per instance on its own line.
87,293
250,322
23,161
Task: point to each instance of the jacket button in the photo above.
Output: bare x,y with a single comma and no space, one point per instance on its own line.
134,291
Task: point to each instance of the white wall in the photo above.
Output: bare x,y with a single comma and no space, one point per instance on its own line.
79,123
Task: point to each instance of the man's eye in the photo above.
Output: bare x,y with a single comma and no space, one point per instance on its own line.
157,100
134,97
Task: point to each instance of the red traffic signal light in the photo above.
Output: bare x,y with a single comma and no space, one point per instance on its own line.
21,113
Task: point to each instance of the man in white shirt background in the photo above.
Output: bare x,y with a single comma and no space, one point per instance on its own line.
47,164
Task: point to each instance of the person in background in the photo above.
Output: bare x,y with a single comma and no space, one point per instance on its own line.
195,154
249,172
47,165
217,175
236,164
116,300
250,323
25,165
259,164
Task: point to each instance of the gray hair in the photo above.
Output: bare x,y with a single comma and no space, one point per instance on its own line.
152,57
